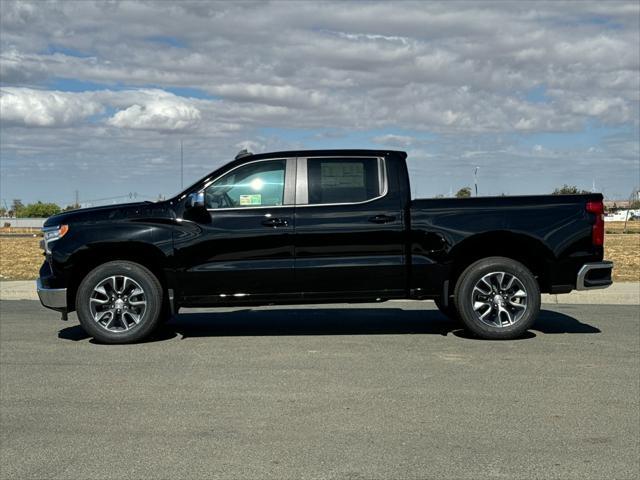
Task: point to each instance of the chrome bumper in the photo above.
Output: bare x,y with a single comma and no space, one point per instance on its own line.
594,275
55,298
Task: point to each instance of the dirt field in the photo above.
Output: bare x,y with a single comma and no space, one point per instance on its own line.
624,251
21,257
618,227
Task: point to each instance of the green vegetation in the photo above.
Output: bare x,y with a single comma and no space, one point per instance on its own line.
568,190
464,192
31,210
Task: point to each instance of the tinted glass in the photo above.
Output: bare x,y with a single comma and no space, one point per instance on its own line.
342,180
259,184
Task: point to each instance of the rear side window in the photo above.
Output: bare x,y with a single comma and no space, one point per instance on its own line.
343,180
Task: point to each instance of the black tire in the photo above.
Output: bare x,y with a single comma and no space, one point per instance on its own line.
501,307
449,311
148,319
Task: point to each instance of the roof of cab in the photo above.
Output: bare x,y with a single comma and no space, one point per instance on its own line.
291,154
322,153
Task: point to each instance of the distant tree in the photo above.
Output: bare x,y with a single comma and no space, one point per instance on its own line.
16,207
39,210
464,192
568,190
3,212
73,206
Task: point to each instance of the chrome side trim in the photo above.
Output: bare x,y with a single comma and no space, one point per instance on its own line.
302,193
242,209
290,181
586,268
51,297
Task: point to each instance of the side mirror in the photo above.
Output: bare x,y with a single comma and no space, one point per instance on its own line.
195,199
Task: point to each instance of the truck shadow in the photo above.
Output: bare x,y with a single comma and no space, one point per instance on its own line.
331,321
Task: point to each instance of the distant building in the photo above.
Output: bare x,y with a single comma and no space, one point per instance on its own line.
616,203
22,222
622,215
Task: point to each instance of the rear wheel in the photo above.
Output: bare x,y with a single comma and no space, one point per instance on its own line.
119,302
498,298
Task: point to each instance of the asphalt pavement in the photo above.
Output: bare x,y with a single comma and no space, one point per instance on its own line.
336,391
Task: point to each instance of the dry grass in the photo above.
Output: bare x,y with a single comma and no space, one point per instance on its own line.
21,257
618,227
35,230
624,251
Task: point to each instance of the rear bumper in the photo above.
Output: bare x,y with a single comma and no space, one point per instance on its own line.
54,298
594,275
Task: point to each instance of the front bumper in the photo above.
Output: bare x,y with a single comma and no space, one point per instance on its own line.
54,298
594,275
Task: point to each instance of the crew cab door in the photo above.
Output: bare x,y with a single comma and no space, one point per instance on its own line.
239,246
349,229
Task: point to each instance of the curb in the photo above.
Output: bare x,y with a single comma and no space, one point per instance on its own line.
627,293
616,294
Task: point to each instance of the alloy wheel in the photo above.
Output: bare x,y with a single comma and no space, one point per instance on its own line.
117,303
499,299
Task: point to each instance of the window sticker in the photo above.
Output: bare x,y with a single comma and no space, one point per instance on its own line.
247,200
342,175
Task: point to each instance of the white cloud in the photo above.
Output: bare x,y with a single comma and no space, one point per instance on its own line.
38,108
286,95
140,109
354,64
394,140
164,112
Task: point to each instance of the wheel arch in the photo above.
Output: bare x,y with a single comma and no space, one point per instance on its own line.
89,258
528,250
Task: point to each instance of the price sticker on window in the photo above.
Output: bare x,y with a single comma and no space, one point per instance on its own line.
248,200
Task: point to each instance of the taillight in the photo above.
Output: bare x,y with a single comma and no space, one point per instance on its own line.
597,231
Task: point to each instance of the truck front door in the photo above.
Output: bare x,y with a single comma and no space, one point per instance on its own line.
240,249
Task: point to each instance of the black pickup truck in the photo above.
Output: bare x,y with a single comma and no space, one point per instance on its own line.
316,227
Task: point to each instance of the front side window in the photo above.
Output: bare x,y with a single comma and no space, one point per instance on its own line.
343,180
259,184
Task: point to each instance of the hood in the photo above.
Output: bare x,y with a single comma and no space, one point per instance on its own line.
97,214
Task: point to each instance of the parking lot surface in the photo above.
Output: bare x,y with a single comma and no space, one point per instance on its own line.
334,391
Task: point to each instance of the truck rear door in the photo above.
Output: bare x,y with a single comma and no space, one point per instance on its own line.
349,229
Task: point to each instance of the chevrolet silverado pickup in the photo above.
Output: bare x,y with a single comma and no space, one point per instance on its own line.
318,227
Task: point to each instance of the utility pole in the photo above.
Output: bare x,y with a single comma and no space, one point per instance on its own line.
475,179
77,201
181,167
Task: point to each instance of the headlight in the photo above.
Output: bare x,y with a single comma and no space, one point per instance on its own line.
51,234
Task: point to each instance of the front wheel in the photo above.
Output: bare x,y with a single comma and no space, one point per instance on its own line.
497,298
119,302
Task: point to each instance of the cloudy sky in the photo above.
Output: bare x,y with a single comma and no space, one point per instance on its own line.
97,96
